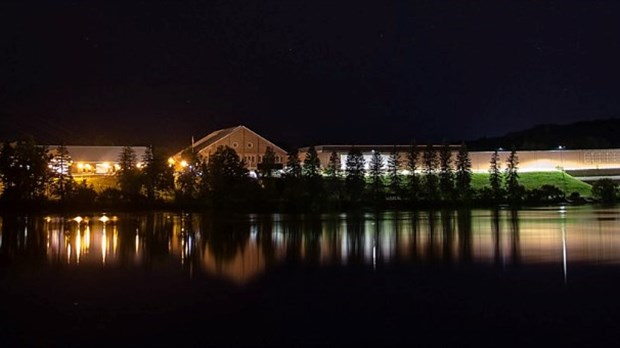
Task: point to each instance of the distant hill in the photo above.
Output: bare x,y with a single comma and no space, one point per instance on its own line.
598,134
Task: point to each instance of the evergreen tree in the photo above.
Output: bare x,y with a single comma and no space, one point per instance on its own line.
495,176
333,171
463,173
188,178
446,175
413,180
393,169
129,177
62,183
268,164
312,164
24,170
513,189
157,174
293,165
227,174
355,174
376,173
333,168
430,168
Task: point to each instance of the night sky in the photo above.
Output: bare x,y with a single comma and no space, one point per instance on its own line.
303,73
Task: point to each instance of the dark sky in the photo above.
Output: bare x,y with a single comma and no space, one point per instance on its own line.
303,72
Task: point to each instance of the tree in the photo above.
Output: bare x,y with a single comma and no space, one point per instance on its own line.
62,183
446,176
393,171
188,179
129,177
606,190
413,181
463,173
514,190
376,173
430,167
312,164
495,176
293,165
157,174
24,170
355,174
333,171
268,164
227,174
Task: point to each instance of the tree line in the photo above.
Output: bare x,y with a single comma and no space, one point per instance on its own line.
425,175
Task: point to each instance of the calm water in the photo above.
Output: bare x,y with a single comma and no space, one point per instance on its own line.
90,267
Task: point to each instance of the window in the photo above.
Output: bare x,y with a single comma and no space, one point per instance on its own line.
235,145
250,145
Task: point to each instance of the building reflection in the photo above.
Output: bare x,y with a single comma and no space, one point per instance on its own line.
241,248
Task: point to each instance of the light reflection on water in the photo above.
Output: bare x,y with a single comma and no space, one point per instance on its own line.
240,248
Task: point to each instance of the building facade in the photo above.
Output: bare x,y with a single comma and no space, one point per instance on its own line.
94,160
248,144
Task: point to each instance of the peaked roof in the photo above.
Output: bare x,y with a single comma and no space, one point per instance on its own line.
214,137
220,134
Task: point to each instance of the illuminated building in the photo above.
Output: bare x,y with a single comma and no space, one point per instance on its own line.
96,160
249,146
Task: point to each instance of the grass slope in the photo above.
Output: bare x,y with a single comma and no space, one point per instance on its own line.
532,180
99,182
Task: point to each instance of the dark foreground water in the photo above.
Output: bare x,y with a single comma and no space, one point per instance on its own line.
444,278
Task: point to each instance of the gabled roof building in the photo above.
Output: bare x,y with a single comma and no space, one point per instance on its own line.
248,144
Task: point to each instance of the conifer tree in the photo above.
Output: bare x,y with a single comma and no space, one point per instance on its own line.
333,172
413,180
62,184
293,165
463,173
128,175
355,172
157,174
393,169
513,189
376,173
312,164
430,168
268,164
446,175
188,179
495,176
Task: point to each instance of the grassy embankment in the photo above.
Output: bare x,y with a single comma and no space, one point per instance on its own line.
532,180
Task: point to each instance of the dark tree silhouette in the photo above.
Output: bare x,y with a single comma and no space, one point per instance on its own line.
157,174
430,168
394,164
413,179
446,175
268,164
606,190
227,175
24,170
376,173
312,164
293,165
495,177
129,176
513,189
188,179
333,171
62,184
355,174
463,173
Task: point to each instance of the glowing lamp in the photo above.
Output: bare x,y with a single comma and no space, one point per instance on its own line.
184,164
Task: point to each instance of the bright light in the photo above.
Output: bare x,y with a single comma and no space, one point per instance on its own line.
88,166
104,219
80,165
105,165
184,164
171,161
139,165
78,219
117,167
